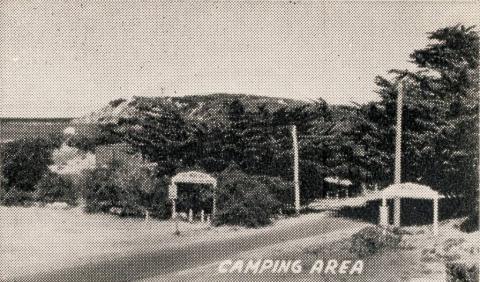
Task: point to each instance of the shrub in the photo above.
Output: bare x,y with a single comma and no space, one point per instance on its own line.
55,188
158,204
471,223
373,239
115,103
457,272
281,189
244,200
15,197
100,191
26,160
82,142
128,190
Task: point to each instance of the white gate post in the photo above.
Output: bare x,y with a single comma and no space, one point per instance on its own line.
384,213
435,216
190,215
174,209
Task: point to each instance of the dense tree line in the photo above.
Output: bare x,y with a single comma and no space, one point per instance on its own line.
440,124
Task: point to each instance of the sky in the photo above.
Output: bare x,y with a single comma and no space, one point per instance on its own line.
68,58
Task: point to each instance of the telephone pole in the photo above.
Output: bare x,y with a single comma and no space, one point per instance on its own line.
398,135
295,169
398,150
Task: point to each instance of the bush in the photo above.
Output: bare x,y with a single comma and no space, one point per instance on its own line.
84,143
457,272
373,239
15,197
26,160
281,189
471,223
55,188
244,200
126,189
100,190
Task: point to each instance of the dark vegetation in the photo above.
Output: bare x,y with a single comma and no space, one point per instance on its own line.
24,161
53,187
462,272
246,200
372,240
125,190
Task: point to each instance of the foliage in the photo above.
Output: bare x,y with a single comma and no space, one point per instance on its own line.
373,239
457,272
127,189
471,223
3,187
53,187
163,136
100,190
440,124
282,190
115,103
243,200
26,160
103,135
82,142
15,197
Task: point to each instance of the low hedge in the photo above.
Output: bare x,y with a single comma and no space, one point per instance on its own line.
373,239
15,197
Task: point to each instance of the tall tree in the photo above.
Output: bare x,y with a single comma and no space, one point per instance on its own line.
440,126
162,135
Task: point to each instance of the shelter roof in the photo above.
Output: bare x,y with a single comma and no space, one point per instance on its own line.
408,190
338,181
194,177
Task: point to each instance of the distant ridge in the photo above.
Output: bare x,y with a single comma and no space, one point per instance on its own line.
196,107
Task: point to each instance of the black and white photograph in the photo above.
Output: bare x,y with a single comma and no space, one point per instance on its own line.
239,140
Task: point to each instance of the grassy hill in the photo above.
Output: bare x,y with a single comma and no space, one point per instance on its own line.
208,108
197,107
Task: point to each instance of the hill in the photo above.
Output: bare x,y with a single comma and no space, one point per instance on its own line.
197,107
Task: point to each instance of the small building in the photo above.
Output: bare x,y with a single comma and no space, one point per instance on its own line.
335,187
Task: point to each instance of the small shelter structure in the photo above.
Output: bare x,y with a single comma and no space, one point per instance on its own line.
194,177
334,186
407,190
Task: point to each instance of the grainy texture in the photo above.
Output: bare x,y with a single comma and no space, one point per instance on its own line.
102,103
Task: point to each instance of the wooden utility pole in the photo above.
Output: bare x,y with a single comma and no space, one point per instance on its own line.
295,169
398,136
398,151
